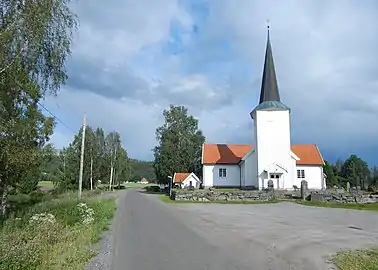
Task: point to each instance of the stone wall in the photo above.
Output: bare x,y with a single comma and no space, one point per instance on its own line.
219,195
338,197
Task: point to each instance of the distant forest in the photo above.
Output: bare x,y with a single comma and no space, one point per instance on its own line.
142,169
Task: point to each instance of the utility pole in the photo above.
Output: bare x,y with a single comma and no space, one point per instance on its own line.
112,167
64,166
91,173
82,157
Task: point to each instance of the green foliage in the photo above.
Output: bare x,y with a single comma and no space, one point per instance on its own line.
102,152
353,170
35,39
179,144
63,244
328,170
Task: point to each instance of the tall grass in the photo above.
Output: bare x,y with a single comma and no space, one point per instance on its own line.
61,240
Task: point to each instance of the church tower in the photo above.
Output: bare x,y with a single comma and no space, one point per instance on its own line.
272,131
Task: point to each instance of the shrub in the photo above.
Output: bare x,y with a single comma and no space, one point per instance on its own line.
54,234
153,189
119,187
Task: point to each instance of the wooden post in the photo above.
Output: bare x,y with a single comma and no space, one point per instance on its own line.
91,173
82,158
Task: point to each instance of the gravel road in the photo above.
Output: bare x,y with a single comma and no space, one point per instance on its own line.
150,235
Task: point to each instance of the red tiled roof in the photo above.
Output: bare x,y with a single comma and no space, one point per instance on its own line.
232,153
180,177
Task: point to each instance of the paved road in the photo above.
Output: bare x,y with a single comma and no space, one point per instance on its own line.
151,235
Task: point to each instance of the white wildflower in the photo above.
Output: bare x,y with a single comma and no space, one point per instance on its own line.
86,213
42,218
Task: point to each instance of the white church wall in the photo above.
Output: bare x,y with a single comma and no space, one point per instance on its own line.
249,172
291,177
211,176
313,174
272,135
242,173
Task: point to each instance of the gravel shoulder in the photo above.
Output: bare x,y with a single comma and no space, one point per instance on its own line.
104,249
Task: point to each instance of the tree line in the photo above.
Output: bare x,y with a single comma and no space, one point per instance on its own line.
353,170
105,161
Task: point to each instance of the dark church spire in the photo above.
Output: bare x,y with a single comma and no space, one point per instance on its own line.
269,87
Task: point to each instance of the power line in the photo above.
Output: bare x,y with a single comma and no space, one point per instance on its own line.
56,117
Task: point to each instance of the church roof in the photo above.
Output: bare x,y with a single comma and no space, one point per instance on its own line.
269,94
269,86
309,154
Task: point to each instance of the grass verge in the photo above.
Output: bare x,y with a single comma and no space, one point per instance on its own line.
166,199
54,234
357,260
355,206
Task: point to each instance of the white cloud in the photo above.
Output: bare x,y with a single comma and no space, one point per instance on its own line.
324,54
135,121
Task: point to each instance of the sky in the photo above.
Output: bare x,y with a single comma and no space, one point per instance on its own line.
132,59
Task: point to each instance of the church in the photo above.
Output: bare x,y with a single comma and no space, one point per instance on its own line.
272,156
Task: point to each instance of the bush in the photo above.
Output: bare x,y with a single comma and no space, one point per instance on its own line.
153,189
54,234
19,202
119,187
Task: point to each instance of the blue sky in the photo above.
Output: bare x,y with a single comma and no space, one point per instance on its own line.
131,59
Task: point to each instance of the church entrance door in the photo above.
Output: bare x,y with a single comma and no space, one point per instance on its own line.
275,177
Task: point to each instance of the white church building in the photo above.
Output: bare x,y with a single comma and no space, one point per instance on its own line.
272,156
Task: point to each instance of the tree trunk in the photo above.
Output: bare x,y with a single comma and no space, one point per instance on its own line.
111,178
4,201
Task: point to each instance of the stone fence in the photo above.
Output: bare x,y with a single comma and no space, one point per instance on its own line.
324,196
205,195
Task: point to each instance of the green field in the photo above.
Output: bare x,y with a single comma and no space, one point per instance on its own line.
45,184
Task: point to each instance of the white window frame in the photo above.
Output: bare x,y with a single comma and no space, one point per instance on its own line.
222,172
301,174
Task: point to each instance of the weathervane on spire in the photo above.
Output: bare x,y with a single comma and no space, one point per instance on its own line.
268,24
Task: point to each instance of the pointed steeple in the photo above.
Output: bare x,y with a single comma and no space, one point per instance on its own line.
269,95
269,86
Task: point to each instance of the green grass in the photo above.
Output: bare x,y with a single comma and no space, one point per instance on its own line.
63,244
166,199
357,260
355,206
46,184
137,185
